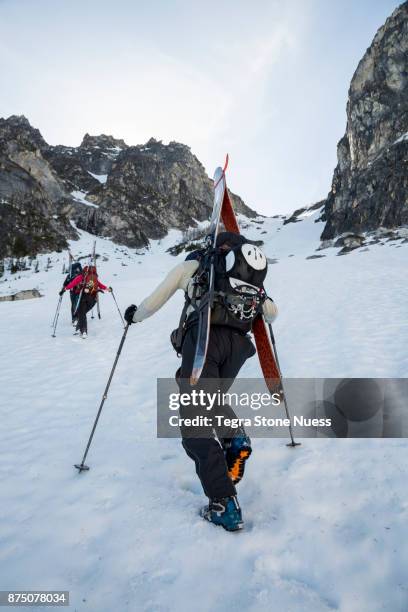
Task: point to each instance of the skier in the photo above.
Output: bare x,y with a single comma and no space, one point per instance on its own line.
88,285
74,270
241,269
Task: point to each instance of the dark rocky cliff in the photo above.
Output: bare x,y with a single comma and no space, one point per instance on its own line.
370,182
131,194
34,205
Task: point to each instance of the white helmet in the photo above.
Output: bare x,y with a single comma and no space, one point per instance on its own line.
254,256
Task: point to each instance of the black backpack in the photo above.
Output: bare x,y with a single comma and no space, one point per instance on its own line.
238,286
74,270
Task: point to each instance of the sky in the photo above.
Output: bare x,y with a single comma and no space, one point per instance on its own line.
265,81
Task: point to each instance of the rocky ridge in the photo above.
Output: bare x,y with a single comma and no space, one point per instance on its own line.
131,194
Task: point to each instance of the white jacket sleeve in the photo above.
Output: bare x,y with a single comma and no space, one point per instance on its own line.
177,278
270,310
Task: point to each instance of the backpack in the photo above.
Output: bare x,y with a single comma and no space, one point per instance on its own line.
90,280
74,270
240,269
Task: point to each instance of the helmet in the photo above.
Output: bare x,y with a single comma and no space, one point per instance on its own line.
251,254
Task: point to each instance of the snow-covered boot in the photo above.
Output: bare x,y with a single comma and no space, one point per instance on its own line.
225,512
237,451
84,335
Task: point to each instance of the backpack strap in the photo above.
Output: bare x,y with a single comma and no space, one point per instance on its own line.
177,335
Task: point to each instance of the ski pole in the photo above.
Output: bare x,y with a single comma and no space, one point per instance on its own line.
97,306
98,310
120,314
57,315
78,301
56,312
292,443
81,466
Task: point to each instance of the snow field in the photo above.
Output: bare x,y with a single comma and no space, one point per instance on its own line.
325,523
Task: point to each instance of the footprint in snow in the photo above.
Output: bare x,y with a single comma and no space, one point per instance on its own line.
190,486
168,456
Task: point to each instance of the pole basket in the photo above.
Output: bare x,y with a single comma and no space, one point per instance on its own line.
81,467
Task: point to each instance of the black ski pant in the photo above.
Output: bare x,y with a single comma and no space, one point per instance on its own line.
74,300
227,352
85,305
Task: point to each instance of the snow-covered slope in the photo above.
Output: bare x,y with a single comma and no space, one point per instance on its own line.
325,523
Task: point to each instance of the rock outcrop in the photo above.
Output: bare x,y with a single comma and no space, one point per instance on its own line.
131,194
78,166
370,183
150,189
25,294
34,205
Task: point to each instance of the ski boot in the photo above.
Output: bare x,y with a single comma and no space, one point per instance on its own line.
84,335
225,512
237,451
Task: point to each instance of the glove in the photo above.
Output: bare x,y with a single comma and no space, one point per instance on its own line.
270,310
129,313
110,289
61,292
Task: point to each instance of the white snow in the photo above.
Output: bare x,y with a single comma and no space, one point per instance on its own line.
80,196
99,177
326,523
401,138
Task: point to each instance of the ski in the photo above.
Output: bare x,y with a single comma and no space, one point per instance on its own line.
70,262
97,296
206,302
90,259
263,341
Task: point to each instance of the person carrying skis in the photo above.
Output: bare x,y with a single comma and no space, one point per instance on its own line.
74,270
88,285
240,271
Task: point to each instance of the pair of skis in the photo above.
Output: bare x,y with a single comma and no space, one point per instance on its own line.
265,342
206,303
97,294
92,261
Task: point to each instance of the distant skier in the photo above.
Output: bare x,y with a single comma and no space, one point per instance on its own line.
241,269
74,270
87,285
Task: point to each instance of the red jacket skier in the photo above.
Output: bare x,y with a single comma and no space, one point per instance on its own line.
89,285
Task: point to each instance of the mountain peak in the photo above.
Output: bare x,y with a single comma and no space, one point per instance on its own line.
19,120
17,131
102,141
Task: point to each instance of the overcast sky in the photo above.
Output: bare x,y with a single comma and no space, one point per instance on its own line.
266,80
